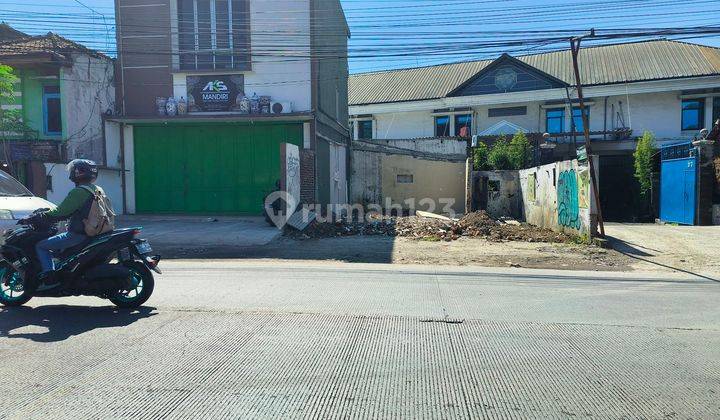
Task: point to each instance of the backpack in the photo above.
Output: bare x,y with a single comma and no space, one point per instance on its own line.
101,217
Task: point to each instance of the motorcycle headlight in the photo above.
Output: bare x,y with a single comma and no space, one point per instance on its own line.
6,215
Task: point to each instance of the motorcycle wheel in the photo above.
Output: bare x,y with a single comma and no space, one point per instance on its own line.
142,287
12,288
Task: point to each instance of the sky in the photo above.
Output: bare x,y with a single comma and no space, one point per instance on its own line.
389,34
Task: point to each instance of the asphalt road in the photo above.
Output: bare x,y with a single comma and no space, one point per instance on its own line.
253,340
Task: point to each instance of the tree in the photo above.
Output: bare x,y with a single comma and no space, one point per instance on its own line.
480,157
7,82
11,120
499,156
644,154
520,151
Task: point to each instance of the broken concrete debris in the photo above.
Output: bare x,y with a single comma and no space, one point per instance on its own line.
477,224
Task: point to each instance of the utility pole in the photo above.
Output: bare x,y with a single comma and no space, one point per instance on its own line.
575,49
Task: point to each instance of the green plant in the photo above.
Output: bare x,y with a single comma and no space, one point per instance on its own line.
11,120
644,154
520,151
7,82
499,156
480,157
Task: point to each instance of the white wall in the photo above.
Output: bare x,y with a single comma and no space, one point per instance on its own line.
108,179
129,169
112,145
659,112
283,24
87,92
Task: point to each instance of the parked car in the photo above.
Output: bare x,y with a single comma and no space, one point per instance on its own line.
16,202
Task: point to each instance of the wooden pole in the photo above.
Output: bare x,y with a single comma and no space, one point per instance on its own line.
575,49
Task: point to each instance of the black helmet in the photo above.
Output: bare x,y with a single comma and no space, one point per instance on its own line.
82,171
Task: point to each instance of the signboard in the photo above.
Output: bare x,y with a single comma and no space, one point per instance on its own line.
214,93
582,154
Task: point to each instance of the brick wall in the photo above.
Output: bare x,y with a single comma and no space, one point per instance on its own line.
307,176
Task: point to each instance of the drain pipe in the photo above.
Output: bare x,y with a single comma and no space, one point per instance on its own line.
605,117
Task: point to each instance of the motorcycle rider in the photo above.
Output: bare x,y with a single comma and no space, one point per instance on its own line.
74,207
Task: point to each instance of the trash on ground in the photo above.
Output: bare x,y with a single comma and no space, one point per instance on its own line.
478,225
420,213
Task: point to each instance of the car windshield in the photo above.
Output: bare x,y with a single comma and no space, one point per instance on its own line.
9,187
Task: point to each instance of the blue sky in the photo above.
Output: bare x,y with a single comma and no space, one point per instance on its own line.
412,33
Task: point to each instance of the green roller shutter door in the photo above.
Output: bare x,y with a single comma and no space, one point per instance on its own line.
211,169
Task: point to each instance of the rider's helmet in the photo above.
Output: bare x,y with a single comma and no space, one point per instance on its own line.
82,171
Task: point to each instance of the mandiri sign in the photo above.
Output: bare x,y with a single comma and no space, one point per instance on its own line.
215,93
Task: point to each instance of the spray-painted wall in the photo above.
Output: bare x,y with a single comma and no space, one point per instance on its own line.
558,197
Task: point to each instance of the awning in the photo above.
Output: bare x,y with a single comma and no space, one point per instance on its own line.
215,118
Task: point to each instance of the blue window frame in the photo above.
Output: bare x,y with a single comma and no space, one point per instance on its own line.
463,121
442,126
716,109
577,119
693,114
365,130
555,120
52,111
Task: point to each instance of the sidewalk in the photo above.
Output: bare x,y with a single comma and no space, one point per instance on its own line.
694,249
188,234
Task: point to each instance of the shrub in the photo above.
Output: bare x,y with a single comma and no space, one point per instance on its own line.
480,157
499,157
520,151
644,154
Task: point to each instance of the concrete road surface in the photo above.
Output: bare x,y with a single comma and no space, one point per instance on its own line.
251,340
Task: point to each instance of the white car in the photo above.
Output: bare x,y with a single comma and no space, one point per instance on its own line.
16,202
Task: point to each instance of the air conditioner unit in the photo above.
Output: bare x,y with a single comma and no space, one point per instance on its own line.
281,107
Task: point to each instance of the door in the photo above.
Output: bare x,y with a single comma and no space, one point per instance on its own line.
689,192
678,190
208,169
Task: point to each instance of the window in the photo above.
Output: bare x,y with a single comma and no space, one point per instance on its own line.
214,34
365,130
716,110
577,119
405,179
463,125
507,112
693,114
442,126
52,114
555,120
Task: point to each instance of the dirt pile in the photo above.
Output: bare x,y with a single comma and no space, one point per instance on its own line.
345,228
477,225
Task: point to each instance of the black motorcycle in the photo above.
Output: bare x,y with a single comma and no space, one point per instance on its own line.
115,266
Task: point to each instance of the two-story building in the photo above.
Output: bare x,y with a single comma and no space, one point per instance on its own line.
63,89
246,75
667,87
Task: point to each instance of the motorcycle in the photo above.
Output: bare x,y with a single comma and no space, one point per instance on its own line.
117,266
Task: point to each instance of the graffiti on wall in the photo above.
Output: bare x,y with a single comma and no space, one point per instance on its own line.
568,204
584,189
532,187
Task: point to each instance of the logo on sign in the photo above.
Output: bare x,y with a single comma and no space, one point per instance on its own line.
215,90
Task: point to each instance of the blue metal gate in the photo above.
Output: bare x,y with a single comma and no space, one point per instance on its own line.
678,184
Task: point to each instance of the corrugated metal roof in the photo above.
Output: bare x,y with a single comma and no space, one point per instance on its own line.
601,65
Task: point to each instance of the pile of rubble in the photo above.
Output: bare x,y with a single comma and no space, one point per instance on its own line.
476,225
433,227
